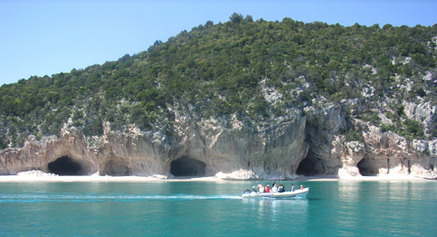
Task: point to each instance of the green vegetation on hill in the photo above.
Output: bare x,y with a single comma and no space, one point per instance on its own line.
217,70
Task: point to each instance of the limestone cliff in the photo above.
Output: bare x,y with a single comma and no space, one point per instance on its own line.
305,143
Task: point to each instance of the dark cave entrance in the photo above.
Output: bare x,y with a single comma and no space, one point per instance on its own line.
186,166
369,167
116,168
310,167
67,166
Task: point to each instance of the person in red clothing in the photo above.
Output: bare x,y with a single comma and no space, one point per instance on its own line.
268,188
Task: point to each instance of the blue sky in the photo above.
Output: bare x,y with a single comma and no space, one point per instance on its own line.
45,37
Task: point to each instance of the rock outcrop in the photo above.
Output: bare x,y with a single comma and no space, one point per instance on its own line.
304,143
220,99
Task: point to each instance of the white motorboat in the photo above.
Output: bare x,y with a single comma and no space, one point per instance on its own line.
301,193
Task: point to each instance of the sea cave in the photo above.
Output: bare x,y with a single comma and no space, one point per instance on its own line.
368,167
310,167
67,166
187,166
116,167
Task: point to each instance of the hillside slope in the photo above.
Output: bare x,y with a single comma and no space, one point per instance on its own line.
277,98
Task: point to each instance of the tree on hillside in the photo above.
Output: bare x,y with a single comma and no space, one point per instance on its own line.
236,18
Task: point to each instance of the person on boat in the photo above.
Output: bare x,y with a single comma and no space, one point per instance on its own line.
254,189
301,187
260,188
292,187
268,188
281,188
274,188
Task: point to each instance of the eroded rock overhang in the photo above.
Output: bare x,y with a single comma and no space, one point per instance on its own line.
305,144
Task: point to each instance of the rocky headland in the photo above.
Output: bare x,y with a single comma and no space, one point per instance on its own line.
239,100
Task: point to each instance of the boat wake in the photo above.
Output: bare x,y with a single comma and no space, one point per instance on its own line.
32,198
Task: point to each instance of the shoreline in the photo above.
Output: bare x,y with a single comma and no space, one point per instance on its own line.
96,178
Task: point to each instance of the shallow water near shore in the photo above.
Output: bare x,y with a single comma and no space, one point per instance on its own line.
332,208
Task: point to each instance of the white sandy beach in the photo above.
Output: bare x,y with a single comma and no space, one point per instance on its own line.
38,176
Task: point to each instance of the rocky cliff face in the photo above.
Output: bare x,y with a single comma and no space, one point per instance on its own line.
303,143
265,98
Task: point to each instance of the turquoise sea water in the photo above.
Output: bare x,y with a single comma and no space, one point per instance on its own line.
216,209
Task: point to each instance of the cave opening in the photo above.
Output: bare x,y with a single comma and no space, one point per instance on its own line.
186,166
310,167
67,166
368,167
116,168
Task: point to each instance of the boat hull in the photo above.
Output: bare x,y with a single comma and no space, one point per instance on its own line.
297,193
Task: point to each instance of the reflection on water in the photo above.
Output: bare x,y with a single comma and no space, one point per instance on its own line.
275,204
392,203
347,218
278,212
